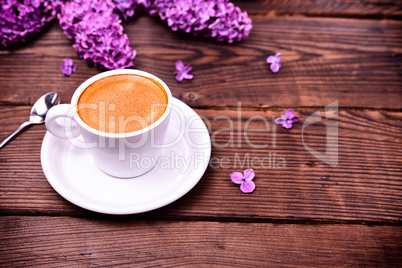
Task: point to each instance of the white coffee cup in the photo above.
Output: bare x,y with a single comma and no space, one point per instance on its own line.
112,151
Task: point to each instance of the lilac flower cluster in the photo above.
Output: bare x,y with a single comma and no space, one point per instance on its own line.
127,8
218,19
20,20
97,32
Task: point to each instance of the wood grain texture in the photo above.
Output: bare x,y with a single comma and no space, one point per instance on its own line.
74,242
303,213
366,184
324,59
341,8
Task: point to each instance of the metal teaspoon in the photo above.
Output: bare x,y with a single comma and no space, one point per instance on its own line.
38,113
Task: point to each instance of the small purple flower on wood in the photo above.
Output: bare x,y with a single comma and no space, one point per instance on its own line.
183,71
245,181
287,119
275,62
68,67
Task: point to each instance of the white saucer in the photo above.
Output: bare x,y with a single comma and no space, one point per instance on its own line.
73,174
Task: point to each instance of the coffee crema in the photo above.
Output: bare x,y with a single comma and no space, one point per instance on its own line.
122,103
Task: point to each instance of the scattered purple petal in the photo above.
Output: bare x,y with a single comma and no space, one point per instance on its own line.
287,119
245,181
236,177
275,62
247,187
68,67
183,71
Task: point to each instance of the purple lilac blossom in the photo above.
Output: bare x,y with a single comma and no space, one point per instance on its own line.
183,71
287,119
20,20
275,62
218,19
127,8
68,67
245,181
97,33
95,26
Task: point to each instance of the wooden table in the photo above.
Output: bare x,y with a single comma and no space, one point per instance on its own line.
307,213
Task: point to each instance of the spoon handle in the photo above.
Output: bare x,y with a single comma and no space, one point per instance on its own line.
9,137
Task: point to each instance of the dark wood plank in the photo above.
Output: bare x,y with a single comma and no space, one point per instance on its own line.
342,8
357,62
73,242
365,186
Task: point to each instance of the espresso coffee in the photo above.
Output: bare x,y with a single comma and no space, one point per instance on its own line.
122,103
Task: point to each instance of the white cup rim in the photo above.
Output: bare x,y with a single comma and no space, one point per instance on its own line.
91,80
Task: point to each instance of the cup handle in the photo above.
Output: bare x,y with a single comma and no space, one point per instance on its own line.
60,122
